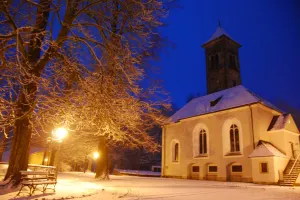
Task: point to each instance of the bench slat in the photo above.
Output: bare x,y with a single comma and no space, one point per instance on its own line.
34,178
38,182
34,173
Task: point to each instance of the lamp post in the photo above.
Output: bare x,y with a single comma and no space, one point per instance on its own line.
58,135
95,157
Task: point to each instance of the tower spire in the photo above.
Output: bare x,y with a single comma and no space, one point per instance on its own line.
219,22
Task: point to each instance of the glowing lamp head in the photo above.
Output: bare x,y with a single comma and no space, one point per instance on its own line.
60,133
46,159
96,155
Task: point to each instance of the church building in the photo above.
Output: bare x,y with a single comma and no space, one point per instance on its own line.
231,134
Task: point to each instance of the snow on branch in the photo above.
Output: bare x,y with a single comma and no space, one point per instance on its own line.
84,74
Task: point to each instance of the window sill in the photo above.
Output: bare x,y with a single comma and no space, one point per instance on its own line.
201,156
233,154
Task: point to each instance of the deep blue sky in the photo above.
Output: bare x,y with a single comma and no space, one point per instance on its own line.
268,30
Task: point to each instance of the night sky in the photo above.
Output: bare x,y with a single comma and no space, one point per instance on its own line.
268,30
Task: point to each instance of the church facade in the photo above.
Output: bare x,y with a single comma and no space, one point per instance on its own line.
231,134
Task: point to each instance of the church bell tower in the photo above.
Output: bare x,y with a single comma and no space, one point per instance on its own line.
222,62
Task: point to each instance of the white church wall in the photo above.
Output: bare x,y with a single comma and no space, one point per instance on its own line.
262,117
185,131
263,177
277,138
292,143
285,141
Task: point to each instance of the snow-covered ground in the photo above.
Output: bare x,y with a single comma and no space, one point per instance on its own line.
69,186
133,188
138,172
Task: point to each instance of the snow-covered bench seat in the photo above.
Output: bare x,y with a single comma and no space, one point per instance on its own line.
32,179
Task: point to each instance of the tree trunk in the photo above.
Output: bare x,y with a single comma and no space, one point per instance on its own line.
18,159
45,156
102,169
22,128
19,153
2,146
52,157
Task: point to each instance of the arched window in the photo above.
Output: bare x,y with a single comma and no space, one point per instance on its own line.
176,152
202,142
234,138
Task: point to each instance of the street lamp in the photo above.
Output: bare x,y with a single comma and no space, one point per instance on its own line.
95,155
59,134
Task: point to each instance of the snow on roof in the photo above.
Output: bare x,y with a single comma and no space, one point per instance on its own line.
278,122
218,33
222,100
266,149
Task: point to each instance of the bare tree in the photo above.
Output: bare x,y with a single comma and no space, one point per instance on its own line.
77,64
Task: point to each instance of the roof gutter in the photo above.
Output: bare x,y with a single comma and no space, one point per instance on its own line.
163,163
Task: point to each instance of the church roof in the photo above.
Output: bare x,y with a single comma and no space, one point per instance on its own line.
266,149
225,99
278,122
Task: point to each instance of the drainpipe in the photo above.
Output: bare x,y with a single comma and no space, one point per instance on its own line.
163,152
252,127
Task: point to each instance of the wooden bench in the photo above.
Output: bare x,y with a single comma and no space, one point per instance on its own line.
32,179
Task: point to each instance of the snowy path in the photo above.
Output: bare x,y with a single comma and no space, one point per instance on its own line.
132,187
146,188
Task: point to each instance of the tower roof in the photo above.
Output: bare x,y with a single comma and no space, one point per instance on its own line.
218,33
